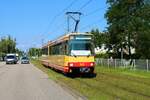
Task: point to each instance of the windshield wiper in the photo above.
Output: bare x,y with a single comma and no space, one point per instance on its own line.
74,55
88,55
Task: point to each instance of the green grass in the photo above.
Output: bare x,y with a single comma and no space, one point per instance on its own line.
109,84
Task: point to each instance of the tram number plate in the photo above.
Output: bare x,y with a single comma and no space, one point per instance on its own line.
86,70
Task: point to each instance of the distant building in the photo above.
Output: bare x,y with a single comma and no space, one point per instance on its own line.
101,50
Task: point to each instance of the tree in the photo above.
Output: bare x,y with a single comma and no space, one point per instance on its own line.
129,22
100,40
7,45
99,37
35,52
20,52
143,37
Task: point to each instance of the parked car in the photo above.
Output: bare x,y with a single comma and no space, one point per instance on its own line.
11,59
25,60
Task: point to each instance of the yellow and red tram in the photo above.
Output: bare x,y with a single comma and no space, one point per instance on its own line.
71,53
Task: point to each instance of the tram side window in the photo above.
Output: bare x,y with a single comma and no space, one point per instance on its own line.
54,50
50,51
45,51
59,49
63,48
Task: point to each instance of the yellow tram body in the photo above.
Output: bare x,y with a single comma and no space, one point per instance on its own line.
71,56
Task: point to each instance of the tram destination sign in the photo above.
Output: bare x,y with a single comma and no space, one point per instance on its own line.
81,37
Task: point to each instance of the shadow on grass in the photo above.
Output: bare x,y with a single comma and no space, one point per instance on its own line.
73,75
81,75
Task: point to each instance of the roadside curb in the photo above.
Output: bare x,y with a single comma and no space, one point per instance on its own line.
3,64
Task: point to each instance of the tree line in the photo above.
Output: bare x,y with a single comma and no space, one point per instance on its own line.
35,52
8,45
128,28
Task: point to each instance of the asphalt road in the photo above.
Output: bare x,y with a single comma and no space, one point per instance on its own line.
26,82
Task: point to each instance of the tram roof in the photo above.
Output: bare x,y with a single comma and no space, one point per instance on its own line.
63,38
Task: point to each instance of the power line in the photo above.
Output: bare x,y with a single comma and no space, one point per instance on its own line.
59,26
89,25
63,11
84,5
71,4
93,12
54,18
59,14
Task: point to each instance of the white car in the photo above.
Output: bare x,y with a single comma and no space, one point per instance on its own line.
11,59
25,60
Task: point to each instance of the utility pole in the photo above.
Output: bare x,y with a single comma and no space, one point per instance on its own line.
122,54
42,41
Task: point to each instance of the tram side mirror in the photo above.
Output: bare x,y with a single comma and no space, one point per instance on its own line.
88,55
72,54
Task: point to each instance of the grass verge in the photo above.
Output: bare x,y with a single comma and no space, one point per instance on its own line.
109,84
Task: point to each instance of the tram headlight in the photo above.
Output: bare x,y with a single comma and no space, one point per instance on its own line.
71,64
92,64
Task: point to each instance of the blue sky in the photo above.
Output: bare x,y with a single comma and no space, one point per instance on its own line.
31,21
